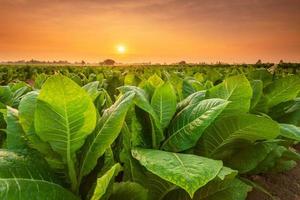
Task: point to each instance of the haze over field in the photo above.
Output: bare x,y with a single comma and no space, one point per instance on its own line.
156,30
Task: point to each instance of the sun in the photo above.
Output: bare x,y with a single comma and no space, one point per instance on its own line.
121,49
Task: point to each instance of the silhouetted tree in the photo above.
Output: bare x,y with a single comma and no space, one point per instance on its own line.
108,62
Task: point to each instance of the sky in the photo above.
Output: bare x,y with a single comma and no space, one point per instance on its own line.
232,31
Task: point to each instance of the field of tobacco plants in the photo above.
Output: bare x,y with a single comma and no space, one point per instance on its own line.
145,133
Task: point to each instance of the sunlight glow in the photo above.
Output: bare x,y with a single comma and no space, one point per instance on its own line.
121,49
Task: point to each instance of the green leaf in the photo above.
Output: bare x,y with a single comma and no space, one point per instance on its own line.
248,158
279,159
164,103
281,90
187,88
189,124
24,176
290,131
128,191
92,89
230,131
132,169
155,80
107,130
236,89
5,95
157,187
104,181
14,132
130,79
215,190
189,172
257,88
18,94
225,190
141,100
227,173
261,74
191,100
26,117
65,115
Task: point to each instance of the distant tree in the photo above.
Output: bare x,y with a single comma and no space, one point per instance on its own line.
83,62
259,62
182,62
108,62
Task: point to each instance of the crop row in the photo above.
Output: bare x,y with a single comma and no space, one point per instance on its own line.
169,135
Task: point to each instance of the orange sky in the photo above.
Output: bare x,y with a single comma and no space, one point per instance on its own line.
152,30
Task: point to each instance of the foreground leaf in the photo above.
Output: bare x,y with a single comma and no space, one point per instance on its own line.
164,103
225,190
281,90
65,115
141,101
230,131
189,172
92,89
189,124
104,181
14,132
191,100
257,88
290,131
26,117
128,191
236,89
107,130
26,177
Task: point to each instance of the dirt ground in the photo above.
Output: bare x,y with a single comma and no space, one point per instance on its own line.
284,186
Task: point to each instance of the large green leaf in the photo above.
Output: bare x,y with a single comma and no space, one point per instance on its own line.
65,115
236,89
164,103
225,190
257,88
14,132
249,157
189,124
92,89
287,112
5,95
281,90
107,130
162,189
230,131
273,154
261,74
189,172
192,100
187,88
155,80
26,117
290,131
24,176
19,93
26,112
141,100
128,191
104,181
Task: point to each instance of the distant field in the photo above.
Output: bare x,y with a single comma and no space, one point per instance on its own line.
151,132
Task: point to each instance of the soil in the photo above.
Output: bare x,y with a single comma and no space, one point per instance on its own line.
283,186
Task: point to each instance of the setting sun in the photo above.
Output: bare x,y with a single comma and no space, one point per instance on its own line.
121,49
